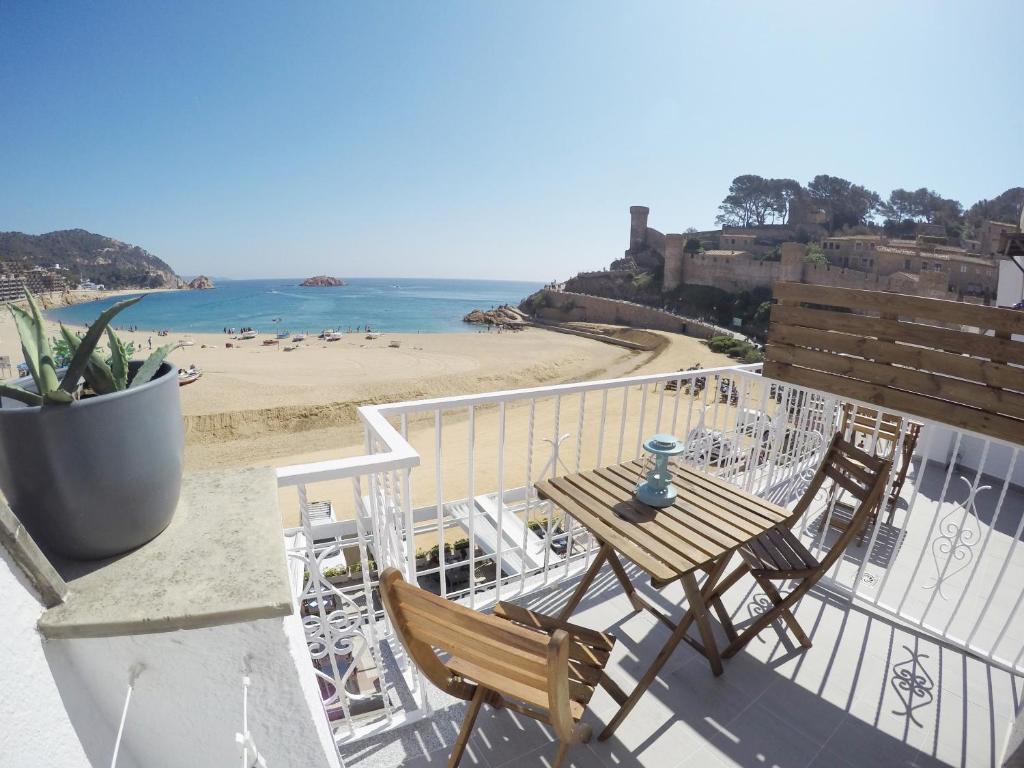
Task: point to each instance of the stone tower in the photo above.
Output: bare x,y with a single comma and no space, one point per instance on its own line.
792,267
673,273
638,226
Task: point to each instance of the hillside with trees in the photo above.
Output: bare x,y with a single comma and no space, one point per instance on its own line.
86,256
843,205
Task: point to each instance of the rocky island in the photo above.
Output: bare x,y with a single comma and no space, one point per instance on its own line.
200,283
322,281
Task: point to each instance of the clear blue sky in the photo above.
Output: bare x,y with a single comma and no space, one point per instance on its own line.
480,139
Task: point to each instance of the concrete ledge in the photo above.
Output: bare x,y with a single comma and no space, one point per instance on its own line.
220,561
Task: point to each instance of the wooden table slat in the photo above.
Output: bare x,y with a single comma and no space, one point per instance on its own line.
755,502
710,519
599,528
660,542
703,524
713,500
702,546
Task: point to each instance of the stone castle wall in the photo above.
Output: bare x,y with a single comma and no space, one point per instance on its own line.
580,307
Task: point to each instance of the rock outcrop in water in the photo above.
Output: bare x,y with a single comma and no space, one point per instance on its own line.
201,283
322,281
504,316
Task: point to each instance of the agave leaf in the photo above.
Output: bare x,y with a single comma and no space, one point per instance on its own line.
58,397
118,360
152,364
15,392
97,374
80,360
23,322
48,381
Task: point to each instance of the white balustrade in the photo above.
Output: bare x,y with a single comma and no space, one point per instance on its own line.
446,494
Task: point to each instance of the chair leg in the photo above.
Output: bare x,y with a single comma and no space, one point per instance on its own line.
563,749
467,726
765,619
787,615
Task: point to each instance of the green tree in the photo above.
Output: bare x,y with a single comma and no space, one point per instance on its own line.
846,204
1004,207
815,255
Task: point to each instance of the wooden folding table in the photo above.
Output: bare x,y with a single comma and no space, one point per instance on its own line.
699,532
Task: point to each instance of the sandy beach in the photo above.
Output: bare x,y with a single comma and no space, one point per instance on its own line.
260,405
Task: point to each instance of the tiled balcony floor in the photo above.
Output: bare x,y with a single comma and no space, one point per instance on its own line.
868,693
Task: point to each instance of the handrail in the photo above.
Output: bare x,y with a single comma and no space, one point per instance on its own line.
510,395
399,454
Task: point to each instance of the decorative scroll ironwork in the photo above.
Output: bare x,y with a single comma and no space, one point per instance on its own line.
340,628
956,539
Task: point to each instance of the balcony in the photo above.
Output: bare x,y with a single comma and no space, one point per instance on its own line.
917,634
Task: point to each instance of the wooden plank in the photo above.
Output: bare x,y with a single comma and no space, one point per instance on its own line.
942,387
544,623
928,336
732,522
726,530
940,310
844,481
787,541
992,374
722,488
695,541
653,566
713,536
526,693
941,411
504,646
758,512
649,534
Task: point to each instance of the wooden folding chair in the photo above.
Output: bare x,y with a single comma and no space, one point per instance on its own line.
516,659
864,424
779,555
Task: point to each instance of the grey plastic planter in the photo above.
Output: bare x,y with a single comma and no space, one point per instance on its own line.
98,477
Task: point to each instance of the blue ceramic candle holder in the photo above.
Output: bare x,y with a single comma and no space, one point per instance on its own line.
657,490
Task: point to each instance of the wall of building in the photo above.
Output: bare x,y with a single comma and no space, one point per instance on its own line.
186,705
35,730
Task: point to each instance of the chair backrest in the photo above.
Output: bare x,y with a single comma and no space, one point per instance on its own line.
516,662
863,421
856,472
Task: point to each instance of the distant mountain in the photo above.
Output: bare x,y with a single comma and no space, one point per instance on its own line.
87,256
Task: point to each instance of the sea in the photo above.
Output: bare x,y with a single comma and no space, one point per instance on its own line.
383,304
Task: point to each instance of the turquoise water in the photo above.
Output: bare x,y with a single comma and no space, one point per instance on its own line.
386,304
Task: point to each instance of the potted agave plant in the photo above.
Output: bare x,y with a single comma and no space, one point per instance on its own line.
90,447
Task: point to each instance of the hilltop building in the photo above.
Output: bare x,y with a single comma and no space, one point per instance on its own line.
744,260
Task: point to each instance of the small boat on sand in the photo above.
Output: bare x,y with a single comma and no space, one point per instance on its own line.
249,334
270,342
335,336
283,335
187,376
372,336
299,337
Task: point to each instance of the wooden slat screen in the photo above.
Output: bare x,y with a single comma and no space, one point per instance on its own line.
907,353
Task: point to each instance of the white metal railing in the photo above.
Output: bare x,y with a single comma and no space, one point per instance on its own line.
445,493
